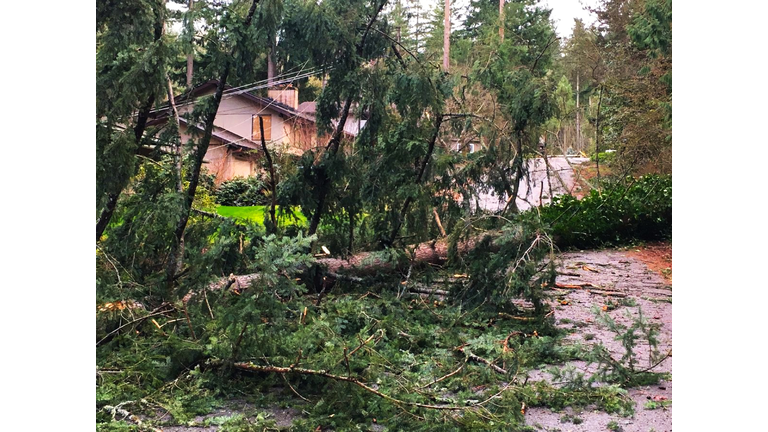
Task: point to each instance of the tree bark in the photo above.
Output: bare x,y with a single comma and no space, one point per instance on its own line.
518,163
447,36
597,133
501,20
272,179
578,117
191,55
179,158
373,263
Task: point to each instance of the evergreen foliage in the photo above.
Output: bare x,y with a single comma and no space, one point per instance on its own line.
620,214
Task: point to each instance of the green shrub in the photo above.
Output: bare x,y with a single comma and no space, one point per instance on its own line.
241,191
605,157
620,214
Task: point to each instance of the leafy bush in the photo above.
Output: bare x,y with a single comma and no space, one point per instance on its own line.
618,215
605,157
241,191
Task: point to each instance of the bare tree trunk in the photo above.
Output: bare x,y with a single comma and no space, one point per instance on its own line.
518,162
597,133
178,159
272,178
270,66
578,122
191,55
351,231
549,179
501,20
447,35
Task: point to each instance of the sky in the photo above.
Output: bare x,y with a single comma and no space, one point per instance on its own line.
564,11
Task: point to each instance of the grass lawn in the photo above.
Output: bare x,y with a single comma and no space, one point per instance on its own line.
258,213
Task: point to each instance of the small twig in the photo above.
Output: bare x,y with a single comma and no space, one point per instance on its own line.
298,360
158,327
208,304
239,339
479,359
153,314
444,377
189,323
119,281
370,338
293,389
668,355
282,370
346,360
608,293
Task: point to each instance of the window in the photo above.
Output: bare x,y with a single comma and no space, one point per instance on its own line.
471,148
256,135
458,147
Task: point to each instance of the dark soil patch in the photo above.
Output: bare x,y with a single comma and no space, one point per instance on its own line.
657,256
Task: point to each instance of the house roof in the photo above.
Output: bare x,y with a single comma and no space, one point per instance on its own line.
206,87
227,136
306,112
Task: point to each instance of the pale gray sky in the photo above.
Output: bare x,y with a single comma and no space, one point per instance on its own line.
564,11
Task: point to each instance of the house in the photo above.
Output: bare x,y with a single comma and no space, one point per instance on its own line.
235,146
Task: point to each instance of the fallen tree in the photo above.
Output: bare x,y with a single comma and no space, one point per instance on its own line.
368,263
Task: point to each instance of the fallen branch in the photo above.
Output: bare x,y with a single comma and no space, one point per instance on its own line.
250,367
479,359
118,409
429,291
608,293
575,286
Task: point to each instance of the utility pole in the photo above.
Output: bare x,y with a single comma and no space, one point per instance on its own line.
447,35
501,20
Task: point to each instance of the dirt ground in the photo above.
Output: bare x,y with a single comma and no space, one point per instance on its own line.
642,274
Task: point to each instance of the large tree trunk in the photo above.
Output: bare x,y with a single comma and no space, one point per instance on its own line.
272,177
372,263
